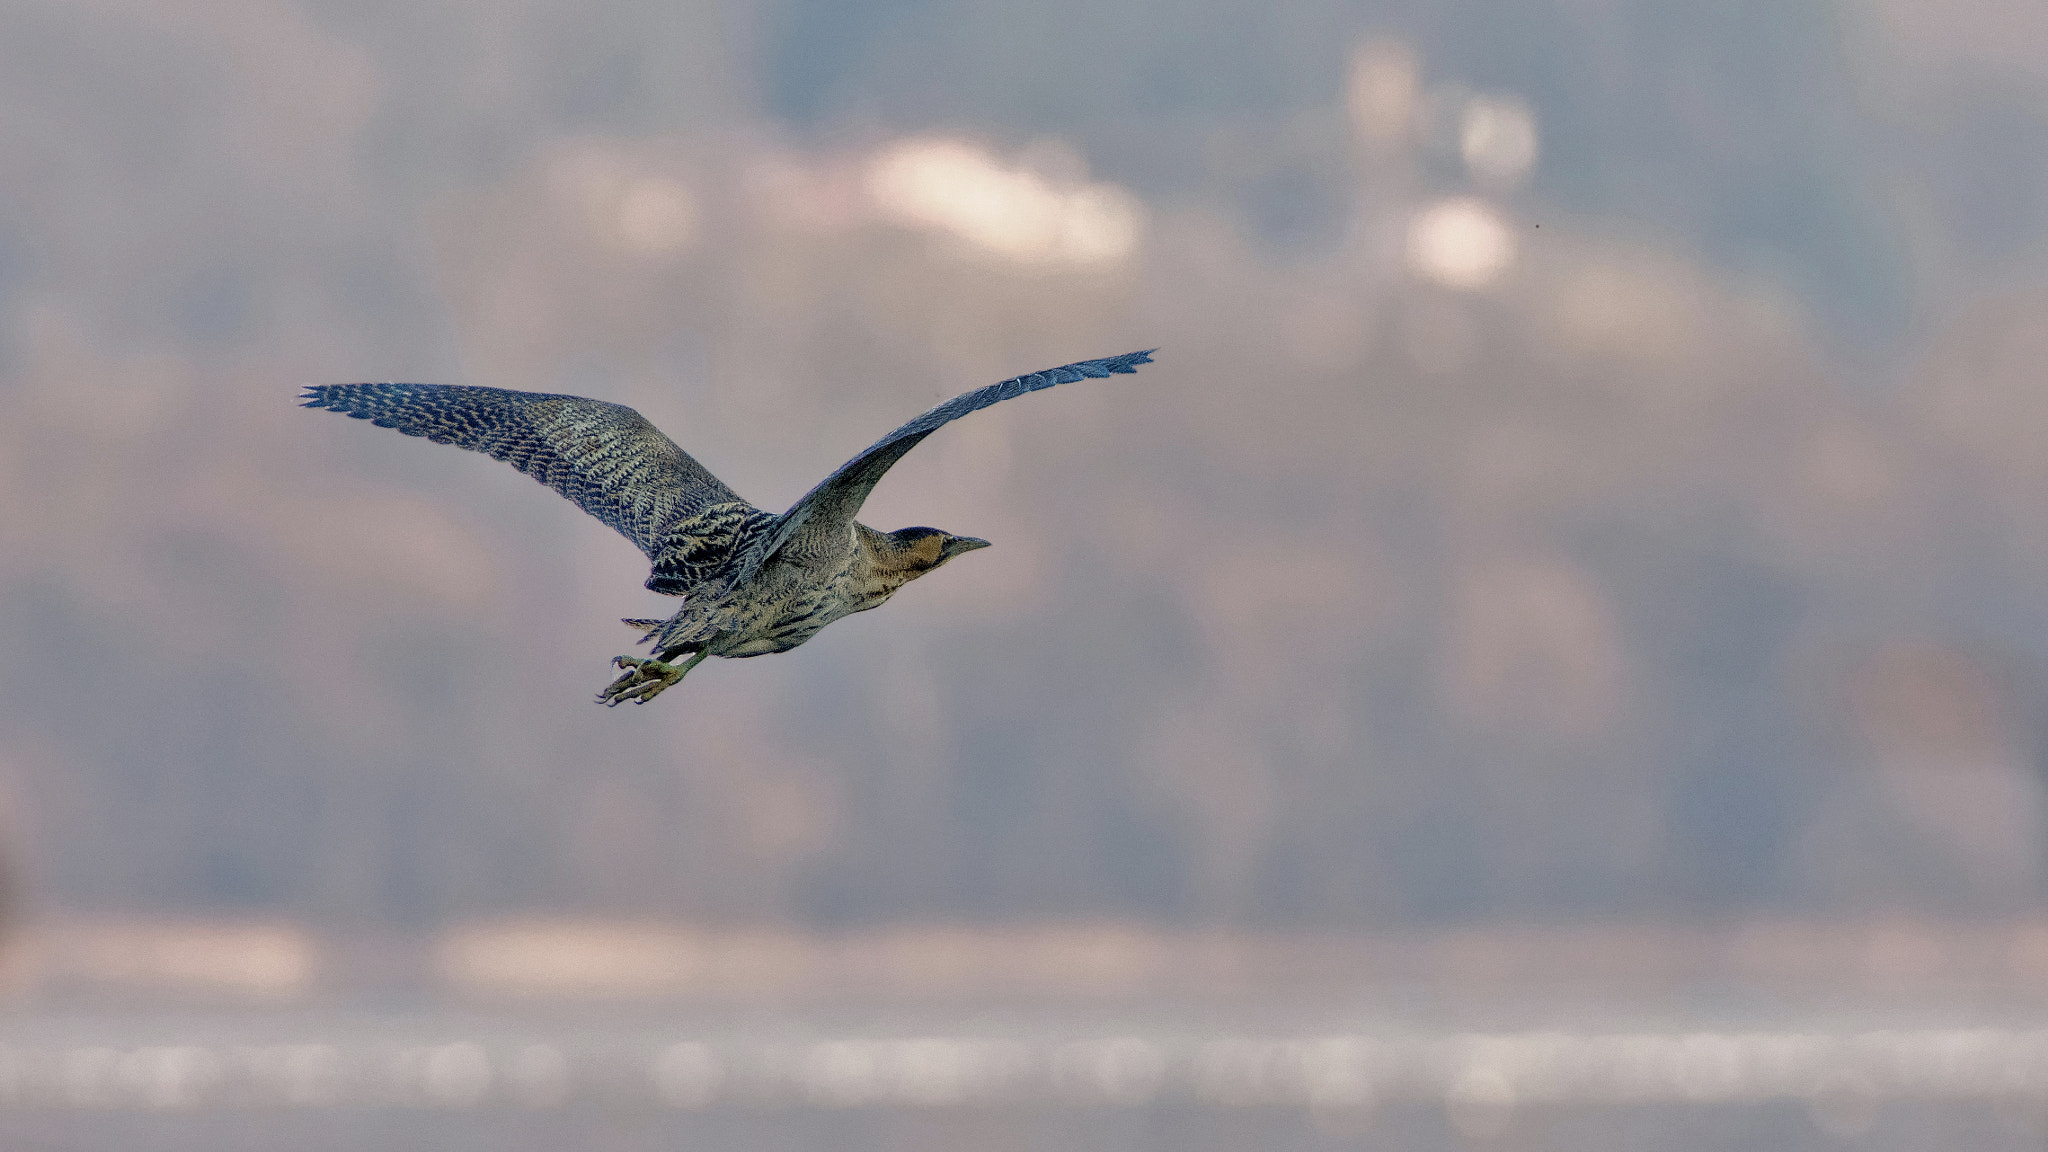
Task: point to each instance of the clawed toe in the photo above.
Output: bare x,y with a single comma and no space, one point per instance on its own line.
640,682
643,680
638,694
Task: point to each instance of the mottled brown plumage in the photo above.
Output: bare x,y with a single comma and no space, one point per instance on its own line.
753,582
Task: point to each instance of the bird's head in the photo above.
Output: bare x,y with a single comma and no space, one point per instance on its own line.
916,551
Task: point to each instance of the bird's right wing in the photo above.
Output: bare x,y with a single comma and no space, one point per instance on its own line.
605,457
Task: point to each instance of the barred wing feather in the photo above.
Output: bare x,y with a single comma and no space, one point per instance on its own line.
606,458
819,526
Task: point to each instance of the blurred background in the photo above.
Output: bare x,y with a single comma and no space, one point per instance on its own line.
1550,656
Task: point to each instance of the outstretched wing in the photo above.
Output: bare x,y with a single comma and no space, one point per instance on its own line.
605,457
820,525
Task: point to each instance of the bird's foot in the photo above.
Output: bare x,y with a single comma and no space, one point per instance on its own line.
644,679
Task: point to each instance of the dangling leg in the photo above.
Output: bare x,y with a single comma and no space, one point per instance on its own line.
645,679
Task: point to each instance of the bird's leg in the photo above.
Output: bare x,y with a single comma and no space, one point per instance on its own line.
645,678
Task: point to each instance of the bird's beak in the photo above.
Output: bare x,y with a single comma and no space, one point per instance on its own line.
955,545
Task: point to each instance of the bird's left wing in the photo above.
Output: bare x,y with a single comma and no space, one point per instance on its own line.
820,525
605,457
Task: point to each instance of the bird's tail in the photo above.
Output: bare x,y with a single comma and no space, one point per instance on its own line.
646,628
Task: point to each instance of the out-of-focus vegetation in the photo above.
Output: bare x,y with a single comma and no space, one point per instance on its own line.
1595,466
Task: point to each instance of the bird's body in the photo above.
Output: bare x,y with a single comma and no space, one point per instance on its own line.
753,582
788,602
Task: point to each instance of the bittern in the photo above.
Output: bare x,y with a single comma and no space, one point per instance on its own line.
752,582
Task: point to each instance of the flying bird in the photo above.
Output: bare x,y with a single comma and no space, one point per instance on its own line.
752,582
